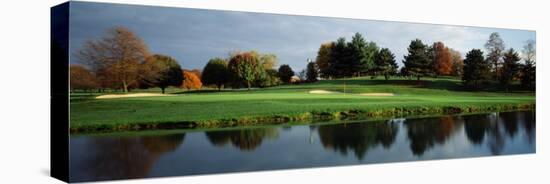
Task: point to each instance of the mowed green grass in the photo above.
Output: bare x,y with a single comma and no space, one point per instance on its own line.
287,100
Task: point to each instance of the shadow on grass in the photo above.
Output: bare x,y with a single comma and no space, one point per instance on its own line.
440,83
206,91
443,83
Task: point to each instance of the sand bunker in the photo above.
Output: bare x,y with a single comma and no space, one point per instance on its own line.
131,95
321,92
362,94
377,94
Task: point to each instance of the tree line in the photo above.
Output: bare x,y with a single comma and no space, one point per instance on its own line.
121,60
499,65
253,69
242,69
359,57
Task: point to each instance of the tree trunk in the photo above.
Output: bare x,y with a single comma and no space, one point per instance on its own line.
162,90
496,70
248,85
124,86
418,77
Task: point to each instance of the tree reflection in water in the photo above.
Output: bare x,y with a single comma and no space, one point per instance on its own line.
511,122
424,133
124,157
475,127
529,126
492,129
128,157
357,137
245,139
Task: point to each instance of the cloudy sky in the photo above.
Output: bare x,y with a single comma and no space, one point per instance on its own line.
194,36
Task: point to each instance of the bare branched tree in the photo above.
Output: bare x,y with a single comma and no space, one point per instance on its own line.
115,58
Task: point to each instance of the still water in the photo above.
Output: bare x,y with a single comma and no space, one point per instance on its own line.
112,156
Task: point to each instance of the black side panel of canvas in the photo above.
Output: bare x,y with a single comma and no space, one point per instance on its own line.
59,81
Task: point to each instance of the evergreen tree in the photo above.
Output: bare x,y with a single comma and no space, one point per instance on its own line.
528,78
357,57
476,69
418,62
385,63
341,67
371,50
510,67
312,72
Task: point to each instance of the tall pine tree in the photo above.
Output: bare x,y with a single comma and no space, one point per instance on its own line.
476,69
371,50
510,67
385,63
418,62
357,55
341,65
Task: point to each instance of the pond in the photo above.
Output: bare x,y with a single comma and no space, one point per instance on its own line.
115,156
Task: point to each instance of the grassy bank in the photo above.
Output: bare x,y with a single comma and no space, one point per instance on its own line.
288,103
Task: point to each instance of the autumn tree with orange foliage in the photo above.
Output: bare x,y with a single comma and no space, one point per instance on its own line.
191,80
442,59
81,78
197,72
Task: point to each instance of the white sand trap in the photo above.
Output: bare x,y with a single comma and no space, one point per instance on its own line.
321,92
377,94
131,95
